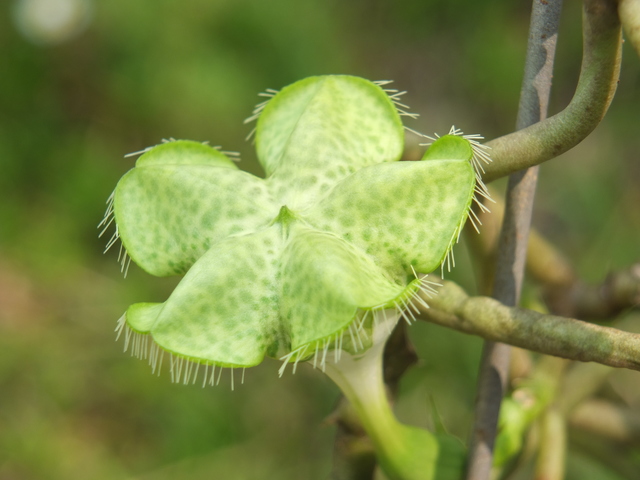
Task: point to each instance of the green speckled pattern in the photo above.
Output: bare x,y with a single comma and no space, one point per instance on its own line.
185,152
449,147
169,215
325,280
404,214
226,308
273,265
319,130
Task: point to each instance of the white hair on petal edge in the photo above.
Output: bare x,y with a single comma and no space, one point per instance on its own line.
257,110
480,156
109,218
358,332
185,370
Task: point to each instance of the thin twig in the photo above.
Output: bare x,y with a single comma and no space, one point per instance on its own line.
565,293
546,264
512,246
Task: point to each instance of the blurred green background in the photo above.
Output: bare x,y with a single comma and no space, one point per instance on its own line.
84,82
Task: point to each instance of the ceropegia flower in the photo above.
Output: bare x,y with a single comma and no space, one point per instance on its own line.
301,264
315,262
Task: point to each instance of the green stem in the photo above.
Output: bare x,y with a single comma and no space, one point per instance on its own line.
548,334
404,452
602,47
361,382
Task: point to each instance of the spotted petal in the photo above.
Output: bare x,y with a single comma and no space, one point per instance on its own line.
319,130
225,309
405,214
278,265
180,199
325,281
265,293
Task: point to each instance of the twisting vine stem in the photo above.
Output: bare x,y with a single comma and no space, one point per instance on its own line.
512,246
542,141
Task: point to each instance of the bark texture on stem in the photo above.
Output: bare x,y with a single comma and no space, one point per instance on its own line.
549,334
512,245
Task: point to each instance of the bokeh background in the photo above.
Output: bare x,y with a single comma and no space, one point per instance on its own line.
84,82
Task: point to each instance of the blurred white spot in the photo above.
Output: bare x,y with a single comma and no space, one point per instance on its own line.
51,22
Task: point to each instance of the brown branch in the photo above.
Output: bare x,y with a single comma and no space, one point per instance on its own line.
399,356
545,263
619,291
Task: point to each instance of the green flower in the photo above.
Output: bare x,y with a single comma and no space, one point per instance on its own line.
298,263
315,262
